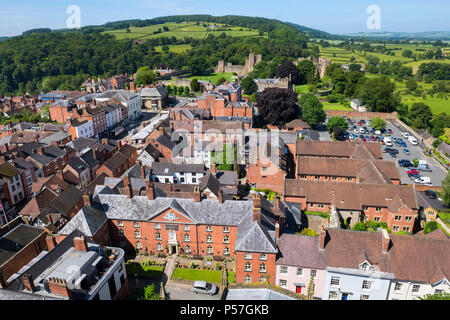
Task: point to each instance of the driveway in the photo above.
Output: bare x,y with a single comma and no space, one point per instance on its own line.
179,291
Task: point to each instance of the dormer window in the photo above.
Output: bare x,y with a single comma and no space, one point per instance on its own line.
365,266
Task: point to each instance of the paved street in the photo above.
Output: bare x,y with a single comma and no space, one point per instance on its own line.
177,291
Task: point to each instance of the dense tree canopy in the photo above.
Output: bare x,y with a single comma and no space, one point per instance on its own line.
312,109
288,69
334,122
145,76
377,123
378,94
420,114
248,85
277,106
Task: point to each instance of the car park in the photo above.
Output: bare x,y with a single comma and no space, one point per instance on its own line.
388,142
204,287
424,167
389,131
405,163
423,180
406,151
414,176
377,132
413,141
412,171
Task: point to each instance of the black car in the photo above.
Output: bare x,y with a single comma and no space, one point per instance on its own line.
430,194
393,154
405,163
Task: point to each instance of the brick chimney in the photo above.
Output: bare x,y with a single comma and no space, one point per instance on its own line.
59,174
150,189
322,239
50,241
59,287
170,187
257,208
87,199
220,196
197,195
80,244
386,240
277,230
127,186
213,168
142,170
40,150
105,141
28,282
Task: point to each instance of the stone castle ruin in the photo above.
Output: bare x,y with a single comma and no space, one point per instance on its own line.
320,63
250,63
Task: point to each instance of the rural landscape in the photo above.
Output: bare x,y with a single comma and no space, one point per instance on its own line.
224,157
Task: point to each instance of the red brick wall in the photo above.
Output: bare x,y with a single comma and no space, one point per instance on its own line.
27,253
272,179
389,218
255,262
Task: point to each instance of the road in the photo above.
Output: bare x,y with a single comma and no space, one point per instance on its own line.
178,291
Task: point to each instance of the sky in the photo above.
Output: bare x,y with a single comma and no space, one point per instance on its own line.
333,16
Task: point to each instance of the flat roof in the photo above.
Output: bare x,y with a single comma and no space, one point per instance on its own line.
256,294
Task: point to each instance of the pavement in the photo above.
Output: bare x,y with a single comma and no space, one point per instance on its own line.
181,291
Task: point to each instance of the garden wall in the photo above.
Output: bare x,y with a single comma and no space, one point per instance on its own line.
362,115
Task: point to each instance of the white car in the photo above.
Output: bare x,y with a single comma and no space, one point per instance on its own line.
405,135
423,180
413,140
362,130
378,132
388,142
356,130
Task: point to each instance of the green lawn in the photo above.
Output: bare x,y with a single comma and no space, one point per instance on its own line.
181,31
151,271
437,105
214,77
445,217
179,48
301,88
231,277
324,215
213,276
415,64
335,106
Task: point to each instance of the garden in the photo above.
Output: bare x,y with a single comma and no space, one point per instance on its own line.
151,268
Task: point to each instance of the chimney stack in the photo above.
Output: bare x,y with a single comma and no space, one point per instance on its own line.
127,186
277,230
256,208
50,240
197,195
213,168
150,189
322,239
220,196
28,282
169,187
59,174
80,244
87,199
59,287
386,240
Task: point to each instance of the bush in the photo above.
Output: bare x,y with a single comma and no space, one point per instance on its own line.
309,232
360,227
430,226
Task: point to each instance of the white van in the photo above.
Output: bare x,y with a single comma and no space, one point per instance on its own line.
423,180
388,141
413,140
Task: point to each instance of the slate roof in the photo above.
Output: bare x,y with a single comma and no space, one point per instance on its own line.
60,135
300,251
210,182
166,141
16,239
227,178
78,165
88,220
81,143
160,168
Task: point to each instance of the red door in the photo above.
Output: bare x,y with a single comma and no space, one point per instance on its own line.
298,289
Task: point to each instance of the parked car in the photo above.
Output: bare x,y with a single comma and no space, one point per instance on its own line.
377,132
360,123
412,171
413,140
372,138
406,151
393,154
424,167
414,176
362,130
389,131
405,163
388,142
405,135
204,287
423,180
431,194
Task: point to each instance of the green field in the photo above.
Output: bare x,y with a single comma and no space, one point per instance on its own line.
214,77
150,271
301,88
180,31
179,48
335,106
415,64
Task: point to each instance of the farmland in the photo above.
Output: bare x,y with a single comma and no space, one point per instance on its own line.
181,31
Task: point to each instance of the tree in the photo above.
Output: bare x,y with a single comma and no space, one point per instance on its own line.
197,65
337,122
377,123
312,109
445,194
307,71
338,133
150,293
378,93
145,76
355,67
359,226
420,110
195,86
180,90
186,91
309,232
221,81
407,53
430,226
437,296
249,85
287,69
411,85
277,106
165,48
438,124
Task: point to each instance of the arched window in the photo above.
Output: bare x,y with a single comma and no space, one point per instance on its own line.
187,249
226,251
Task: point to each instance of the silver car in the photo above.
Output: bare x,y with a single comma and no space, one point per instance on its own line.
204,287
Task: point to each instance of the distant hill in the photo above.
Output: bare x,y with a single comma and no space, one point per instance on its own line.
431,35
314,33
3,38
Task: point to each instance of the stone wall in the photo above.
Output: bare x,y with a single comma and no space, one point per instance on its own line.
362,115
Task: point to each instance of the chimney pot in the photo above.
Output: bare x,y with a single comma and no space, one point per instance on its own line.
322,238
220,196
80,244
87,199
28,282
50,240
197,195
